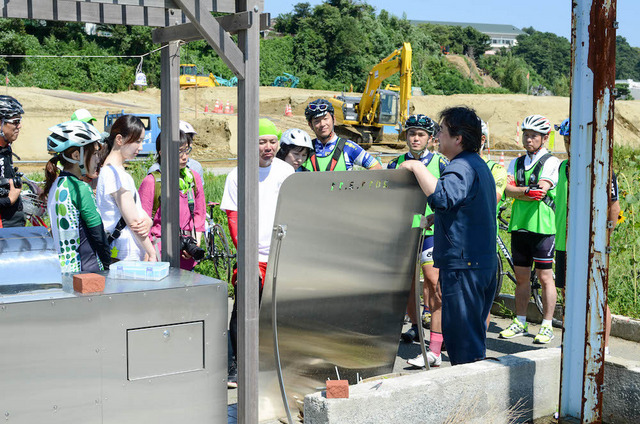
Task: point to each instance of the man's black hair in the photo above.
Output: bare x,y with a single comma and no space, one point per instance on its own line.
464,121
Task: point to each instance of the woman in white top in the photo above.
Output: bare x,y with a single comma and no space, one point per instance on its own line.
117,197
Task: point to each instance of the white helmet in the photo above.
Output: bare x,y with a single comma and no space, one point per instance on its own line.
537,123
485,129
187,128
73,134
296,137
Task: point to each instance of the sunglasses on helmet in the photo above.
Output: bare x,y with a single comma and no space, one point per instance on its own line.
15,121
318,107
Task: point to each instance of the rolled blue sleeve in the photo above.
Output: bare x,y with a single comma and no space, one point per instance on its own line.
452,188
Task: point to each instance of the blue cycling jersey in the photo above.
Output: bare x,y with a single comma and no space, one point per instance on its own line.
353,154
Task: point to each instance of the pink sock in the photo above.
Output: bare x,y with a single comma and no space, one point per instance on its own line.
435,342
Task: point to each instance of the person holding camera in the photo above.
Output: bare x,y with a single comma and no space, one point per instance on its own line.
192,205
11,214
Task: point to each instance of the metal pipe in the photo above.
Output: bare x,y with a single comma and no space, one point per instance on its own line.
280,231
592,84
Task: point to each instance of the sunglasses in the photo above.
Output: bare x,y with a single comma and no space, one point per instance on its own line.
318,107
15,121
185,151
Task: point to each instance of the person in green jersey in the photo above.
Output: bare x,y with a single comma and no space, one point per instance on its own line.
76,225
419,130
561,221
531,182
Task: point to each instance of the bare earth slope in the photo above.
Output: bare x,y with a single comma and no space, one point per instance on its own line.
217,137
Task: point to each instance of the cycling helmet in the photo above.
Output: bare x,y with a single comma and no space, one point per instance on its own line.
422,122
9,107
536,123
318,108
187,128
563,128
73,134
485,129
296,137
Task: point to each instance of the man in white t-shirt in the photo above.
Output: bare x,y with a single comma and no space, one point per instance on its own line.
272,174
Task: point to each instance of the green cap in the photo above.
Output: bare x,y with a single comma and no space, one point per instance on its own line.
266,127
82,115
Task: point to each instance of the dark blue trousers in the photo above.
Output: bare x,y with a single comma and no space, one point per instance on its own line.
467,295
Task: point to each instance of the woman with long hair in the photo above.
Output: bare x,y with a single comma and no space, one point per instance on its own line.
116,193
76,225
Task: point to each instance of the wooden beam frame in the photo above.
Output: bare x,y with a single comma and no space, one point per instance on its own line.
188,32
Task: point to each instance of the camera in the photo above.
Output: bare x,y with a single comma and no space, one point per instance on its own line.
190,245
4,184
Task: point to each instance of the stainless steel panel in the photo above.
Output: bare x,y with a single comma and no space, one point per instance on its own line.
165,350
343,280
65,361
28,261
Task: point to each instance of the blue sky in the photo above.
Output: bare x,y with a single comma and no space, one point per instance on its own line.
544,15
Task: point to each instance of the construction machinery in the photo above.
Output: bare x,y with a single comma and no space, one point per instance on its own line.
286,80
363,118
189,77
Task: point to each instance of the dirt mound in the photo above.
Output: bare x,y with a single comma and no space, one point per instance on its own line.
217,133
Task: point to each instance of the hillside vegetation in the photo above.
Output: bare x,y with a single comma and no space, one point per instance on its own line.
331,46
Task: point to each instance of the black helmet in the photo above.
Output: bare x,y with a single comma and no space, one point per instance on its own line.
318,108
422,122
9,107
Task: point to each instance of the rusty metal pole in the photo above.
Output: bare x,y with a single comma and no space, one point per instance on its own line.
592,84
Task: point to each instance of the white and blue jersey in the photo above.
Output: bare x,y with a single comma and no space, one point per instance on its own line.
352,153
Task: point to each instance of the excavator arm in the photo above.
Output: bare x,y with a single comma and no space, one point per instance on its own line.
398,61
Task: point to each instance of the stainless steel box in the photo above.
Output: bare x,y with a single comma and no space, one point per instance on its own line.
141,351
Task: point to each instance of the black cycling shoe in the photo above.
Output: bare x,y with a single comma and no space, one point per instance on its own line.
411,334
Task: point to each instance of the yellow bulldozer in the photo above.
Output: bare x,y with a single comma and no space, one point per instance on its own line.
189,77
363,118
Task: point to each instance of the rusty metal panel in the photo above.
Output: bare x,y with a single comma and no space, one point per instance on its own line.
592,78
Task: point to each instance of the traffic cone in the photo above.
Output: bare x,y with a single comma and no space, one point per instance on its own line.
227,109
287,110
206,107
217,108
230,108
502,159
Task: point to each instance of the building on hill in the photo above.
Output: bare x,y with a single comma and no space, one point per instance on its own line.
501,35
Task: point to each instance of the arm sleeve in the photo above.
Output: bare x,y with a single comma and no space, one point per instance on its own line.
232,218
95,229
5,202
550,171
229,200
511,170
200,206
147,192
359,156
452,189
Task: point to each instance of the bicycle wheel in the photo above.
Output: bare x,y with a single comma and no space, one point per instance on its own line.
499,277
219,253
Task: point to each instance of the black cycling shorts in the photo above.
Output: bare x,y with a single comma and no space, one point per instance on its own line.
527,248
561,269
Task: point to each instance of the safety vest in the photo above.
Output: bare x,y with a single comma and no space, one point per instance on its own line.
334,161
433,166
561,206
535,217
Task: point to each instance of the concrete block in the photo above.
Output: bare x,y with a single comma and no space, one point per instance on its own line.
625,328
621,392
88,283
337,389
525,386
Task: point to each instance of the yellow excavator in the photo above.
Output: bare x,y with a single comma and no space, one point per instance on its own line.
189,77
362,119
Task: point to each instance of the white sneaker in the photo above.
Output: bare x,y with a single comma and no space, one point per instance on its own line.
418,361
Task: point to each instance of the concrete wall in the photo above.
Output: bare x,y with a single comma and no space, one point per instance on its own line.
513,388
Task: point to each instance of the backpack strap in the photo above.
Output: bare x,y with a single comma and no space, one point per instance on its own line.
535,175
520,171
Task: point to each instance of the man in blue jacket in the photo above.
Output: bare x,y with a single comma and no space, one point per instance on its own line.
464,203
